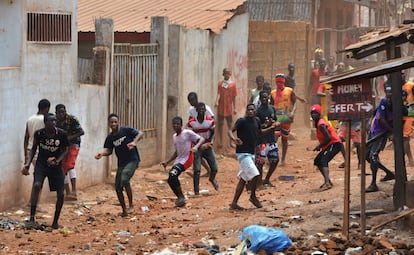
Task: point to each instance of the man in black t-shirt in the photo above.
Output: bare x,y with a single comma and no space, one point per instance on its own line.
124,140
52,144
266,145
248,128
291,82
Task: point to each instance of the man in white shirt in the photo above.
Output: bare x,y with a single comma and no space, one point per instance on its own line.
186,142
193,100
35,122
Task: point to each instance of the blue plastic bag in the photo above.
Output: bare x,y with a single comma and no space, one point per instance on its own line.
264,238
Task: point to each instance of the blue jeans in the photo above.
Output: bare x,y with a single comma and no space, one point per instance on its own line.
210,157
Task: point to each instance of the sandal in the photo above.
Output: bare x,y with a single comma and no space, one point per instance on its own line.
29,225
180,202
255,202
268,184
236,207
372,188
388,177
123,214
215,184
326,186
56,226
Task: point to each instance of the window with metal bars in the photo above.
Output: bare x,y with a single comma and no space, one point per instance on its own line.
49,27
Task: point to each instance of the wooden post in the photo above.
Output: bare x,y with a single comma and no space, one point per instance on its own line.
347,180
363,176
400,171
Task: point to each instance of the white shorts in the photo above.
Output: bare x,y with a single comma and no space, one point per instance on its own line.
248,169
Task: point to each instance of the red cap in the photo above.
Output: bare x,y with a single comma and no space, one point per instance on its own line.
316,108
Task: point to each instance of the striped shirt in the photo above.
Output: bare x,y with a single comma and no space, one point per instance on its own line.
204,128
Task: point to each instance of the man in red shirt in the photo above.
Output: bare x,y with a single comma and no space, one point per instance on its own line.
225,103
315,80
329,145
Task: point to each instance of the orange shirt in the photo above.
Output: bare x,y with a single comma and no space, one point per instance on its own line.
314,81
227,94
408,86
285,99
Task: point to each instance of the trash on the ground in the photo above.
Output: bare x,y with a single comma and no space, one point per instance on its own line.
9,224
295,203
187,243
274,216
204,192
150,242
315,201
296,217
120,247
265,238
284,225
351,251
368,212
212,249
19,212
124,233
144,209
151,198
286,177
79,212
66,231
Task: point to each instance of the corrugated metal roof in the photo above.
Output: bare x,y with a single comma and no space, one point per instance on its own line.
135,15
378,37
295,10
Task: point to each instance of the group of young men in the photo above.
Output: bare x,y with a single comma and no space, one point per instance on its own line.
380,131
51,144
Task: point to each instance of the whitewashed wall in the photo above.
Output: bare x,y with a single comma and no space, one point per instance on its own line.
230,50
46,71
197,58
196,61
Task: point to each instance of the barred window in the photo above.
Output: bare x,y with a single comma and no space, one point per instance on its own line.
49,27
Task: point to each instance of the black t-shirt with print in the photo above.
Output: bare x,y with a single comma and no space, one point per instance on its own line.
50,146
119,141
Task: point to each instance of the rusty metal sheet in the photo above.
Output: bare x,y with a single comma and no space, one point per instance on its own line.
135,16
376,38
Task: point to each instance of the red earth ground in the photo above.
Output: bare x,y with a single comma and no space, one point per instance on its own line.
298,207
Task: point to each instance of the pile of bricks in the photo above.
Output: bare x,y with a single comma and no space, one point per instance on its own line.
338,244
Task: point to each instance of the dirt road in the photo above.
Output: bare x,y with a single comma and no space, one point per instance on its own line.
296,205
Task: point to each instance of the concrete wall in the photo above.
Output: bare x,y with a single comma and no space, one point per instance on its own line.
46,71
272,46
231,50
10,36
196,61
